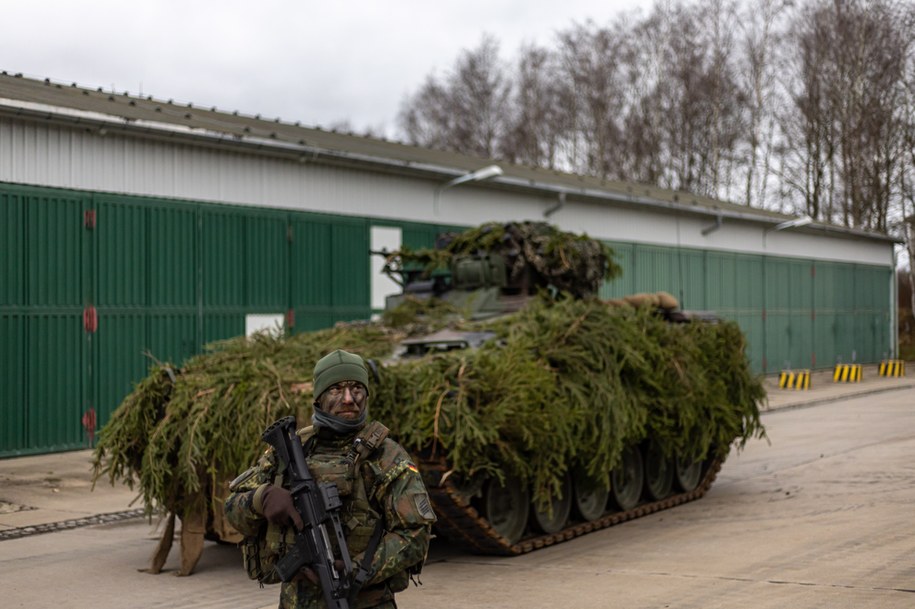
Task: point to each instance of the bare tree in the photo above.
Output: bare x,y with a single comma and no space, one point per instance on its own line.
761,37
851,59
808,150
466,112
703,103
539,116
590,66
649,91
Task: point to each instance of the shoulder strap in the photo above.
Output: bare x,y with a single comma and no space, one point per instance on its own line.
368,440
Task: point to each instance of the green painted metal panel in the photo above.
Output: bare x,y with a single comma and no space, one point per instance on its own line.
789,314
825,292
350,269
416,236
844,288
267,262
120,360
311,318
864,289
55,371
623,254
749,296
750,285
865,339
172,337
778,342
801,352
12,254
311,264
679,271
754,328
55,250
872,291
827,310
735,290
778,280
12,384
223,257
655,269
883,339
824,330
121,253
219,326
721,283
844,333
172,257
330,277
800,287
690,273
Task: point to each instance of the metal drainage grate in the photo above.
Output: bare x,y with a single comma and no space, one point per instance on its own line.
76,523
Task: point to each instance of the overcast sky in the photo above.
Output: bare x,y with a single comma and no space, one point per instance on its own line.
320,63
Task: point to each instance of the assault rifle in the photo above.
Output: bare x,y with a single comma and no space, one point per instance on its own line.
319,506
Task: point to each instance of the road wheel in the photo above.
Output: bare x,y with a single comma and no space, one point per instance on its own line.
590,497
659,473
687,473
627,479
506,507
554,517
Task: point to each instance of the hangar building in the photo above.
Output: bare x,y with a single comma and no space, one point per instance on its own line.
132,225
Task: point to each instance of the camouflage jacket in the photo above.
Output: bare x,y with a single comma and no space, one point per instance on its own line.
385,485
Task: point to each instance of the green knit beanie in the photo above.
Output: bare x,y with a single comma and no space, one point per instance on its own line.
339,366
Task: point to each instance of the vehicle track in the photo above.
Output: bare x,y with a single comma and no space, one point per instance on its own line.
465,527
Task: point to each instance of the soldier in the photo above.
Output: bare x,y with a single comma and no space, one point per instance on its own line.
381,489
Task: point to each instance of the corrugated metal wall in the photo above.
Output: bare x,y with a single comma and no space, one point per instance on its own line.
165,277
94,282
41,311
795,313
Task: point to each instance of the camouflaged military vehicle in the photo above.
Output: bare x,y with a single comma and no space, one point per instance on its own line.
626,407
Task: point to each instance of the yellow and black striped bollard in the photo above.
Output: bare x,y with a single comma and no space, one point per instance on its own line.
892,367
794,379
847,373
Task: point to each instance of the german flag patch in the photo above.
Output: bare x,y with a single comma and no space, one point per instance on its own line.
412,468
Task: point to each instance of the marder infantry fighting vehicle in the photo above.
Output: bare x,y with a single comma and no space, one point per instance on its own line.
536,411
499,270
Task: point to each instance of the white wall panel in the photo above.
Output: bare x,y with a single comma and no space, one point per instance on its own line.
673,229
83,159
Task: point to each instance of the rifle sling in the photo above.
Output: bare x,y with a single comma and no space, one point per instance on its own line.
363,572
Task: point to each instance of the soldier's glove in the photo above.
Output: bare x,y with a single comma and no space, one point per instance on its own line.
278,507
